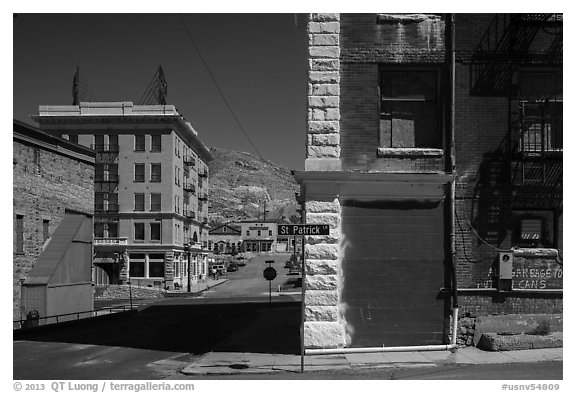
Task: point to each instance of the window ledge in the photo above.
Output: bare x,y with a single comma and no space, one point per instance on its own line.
409,152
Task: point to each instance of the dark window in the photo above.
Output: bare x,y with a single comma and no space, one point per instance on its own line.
102,229
409,112
113,143
136,268
176,175
155,202
156,269
139,202
534,228
19,234
45,230
155,173
139,231
73,138
99,142
139,142
156,145
139,173
155,230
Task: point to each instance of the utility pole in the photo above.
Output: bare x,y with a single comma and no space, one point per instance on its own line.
265,211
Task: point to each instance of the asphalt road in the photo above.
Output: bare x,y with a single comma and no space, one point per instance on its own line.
248,281
163,337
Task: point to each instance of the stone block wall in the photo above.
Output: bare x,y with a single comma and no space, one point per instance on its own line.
324,326
323,121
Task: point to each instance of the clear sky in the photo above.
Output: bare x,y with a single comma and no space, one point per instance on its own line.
258,60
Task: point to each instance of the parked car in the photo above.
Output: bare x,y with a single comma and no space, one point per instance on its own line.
240,261
220,269
289,264
232,267
294,270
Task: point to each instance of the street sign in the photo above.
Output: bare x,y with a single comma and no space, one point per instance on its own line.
303,229
269,273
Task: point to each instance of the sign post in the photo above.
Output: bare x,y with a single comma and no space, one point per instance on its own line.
303,230
269,274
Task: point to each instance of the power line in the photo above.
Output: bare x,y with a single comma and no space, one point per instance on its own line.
218,87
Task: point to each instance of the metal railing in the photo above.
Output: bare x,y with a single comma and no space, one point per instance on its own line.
74,316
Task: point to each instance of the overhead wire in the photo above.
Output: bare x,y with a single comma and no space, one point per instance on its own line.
191,37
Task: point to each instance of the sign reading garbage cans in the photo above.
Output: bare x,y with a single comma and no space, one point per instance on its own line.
269,273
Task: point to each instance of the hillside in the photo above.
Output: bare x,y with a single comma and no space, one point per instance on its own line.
241,184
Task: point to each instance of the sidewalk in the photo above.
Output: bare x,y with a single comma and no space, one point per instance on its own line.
197,287
254,363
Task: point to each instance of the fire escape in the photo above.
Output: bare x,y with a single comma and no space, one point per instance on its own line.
106,187
518,62
520,57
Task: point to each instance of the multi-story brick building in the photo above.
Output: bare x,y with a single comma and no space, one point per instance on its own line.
434,146
50,175
151,188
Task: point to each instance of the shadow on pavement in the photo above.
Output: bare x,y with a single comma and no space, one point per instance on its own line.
193,328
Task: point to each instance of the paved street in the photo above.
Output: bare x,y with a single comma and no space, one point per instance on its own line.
248,280
163,337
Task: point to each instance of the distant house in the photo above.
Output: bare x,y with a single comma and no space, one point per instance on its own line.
225,239
259,236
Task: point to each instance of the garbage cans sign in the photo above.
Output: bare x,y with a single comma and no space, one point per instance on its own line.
269,273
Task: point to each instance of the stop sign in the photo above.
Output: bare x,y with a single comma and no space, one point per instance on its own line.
269,273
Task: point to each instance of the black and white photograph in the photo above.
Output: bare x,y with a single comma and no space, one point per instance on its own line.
260,195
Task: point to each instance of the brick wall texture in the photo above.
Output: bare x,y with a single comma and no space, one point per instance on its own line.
44,185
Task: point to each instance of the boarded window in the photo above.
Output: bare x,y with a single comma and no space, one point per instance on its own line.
409,112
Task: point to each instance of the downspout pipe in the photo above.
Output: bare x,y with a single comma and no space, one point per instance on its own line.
451,62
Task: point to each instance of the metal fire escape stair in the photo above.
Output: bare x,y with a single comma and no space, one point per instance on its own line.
505,45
